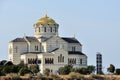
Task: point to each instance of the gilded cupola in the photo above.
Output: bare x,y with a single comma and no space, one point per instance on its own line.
45,20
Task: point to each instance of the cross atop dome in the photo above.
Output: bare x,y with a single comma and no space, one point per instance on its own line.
45,20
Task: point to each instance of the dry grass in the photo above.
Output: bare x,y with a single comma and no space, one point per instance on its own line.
26,76
74,75
71,76
55,77
11,76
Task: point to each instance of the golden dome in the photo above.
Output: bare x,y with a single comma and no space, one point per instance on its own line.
45,20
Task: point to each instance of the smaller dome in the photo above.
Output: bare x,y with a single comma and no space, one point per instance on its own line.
45,20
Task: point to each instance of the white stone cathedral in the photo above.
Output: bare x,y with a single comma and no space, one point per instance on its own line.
46,48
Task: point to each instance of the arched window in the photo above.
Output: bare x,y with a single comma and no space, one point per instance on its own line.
80,61
52,61
75,61
45,60
39,29
60,58
36,48
44,29
39,61
50,29
73,48
63,59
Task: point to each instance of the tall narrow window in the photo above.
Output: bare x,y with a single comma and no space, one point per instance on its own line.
60,58
63,59
39,29
45,29
80,61
36,48
50,29
73,48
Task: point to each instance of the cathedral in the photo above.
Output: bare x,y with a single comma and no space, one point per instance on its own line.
46,48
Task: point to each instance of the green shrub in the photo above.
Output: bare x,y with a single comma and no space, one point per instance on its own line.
65,70
24,71
117,71
46,72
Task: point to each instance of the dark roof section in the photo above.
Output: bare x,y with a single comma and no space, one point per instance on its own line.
54,49
47,38
32,39
75,52
70,40
18,40
31,53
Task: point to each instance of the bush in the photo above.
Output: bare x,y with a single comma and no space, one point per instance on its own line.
34,69
81,70
117,71
23,71
46,72
65,70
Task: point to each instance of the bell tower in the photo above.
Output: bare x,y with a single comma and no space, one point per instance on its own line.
45,27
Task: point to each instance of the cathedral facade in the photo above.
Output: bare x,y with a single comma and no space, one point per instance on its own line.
46,48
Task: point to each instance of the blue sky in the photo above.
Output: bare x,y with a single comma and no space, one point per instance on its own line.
95,23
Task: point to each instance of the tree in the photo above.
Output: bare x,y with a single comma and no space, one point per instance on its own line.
3,62
100,72
91,69
24,71
47,72
10,69
111,68
117,71
8,63
34,68
65,70
1,72
83,71
21,65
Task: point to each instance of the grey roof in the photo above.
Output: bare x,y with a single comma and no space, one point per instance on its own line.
31,39
54,49
45,39
18,40
75,52
70,40
31,53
